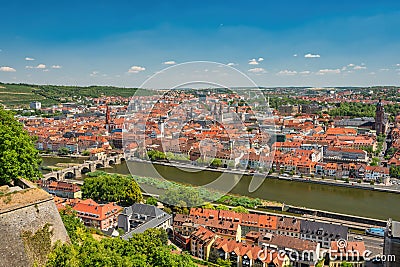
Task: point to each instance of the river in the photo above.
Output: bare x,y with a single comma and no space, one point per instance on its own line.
367,203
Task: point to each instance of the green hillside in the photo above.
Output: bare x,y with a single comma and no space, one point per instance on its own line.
20,95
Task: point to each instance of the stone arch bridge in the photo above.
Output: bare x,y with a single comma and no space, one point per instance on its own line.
76,171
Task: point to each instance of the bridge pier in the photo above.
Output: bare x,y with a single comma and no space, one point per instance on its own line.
92,167
77,172
105,163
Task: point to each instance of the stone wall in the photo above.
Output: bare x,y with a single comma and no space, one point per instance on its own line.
19,223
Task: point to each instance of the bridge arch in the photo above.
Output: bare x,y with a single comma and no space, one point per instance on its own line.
69,175
85,170
52,178
111,162
99,165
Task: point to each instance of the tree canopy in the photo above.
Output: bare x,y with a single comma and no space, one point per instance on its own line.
18,155
151,201
112,188
353,109
182,197
146,249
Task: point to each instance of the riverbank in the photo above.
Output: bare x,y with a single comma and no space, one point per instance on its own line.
232,201
305,179
63,157
326,197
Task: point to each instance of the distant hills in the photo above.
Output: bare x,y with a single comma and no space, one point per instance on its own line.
20,95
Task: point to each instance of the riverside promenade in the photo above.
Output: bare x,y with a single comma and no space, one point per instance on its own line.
304,179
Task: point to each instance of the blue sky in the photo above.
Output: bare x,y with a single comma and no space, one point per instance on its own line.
276,43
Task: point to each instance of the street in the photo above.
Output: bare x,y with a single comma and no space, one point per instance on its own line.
373,244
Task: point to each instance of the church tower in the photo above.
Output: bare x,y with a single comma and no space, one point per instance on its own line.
380,118
108,119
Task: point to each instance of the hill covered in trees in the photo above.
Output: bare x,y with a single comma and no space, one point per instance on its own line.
20,95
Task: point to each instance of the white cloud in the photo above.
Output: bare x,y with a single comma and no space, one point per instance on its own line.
287,72
46,70
257,70
56,67
295,55
253,62
383,69
29,59
94,73
232,64
311,55
359,68
328,71
260,59
372,73
39,66
305,72
398,64
136,69
170,62
7,69
351,65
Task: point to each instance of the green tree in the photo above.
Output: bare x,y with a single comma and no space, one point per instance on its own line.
375,161
221,207
167,210
63,151
182,197
368,149
209,206
145,249
112,188
156,155
86,153
71,223
240,209
216,163
151,201
18,155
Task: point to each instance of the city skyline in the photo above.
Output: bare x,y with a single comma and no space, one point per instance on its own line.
293,44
